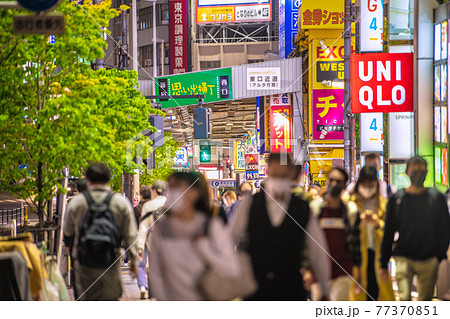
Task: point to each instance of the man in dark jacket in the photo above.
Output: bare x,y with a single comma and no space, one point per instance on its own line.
420,217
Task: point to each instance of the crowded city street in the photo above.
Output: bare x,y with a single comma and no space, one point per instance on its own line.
206,151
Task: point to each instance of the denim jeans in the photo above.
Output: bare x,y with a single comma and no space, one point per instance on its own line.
141,275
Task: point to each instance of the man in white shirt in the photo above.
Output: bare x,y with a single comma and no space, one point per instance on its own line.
275,226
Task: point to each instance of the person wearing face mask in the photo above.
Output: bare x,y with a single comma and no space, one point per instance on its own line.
272,226
372,206
418,218
187,241
341,223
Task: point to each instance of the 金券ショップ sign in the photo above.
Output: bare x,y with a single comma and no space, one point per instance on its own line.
322,14
214,84
382,82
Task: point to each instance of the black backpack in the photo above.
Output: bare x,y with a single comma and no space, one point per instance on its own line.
99,235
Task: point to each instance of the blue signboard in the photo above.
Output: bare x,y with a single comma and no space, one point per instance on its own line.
38,5
223,183
288,26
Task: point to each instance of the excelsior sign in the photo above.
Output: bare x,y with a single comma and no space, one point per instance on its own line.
382,82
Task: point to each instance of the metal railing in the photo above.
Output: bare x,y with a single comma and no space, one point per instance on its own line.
8,215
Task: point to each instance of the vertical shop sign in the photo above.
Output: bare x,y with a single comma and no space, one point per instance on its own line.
328,114
371,26
179,36
288,26
280,123
382,82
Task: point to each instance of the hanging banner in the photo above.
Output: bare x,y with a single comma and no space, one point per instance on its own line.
214,84
251,166
382,82
280,123
322,14
179,36
371,26
328,114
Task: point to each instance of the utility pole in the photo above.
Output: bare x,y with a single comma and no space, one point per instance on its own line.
123,65
347,125
99,63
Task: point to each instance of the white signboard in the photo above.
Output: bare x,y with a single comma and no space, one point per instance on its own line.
280,99
401,135
247,13
181,157
203,3
371,26
263,78
372,132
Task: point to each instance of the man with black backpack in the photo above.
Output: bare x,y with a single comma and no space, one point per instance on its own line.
418,218
100,220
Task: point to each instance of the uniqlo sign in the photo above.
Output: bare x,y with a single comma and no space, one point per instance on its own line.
178,20
382,82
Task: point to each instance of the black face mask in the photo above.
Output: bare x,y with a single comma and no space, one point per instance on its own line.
418,178
335,191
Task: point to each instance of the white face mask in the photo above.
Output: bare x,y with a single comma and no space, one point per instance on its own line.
175,201
277,186
367,192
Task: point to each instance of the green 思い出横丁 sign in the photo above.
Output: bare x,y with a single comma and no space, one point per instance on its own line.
214,84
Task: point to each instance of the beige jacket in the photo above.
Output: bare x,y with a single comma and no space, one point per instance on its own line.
108,284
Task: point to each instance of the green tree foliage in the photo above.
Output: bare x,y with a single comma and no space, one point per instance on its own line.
57,112
164,158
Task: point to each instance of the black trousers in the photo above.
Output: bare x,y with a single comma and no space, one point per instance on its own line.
372,285
280,290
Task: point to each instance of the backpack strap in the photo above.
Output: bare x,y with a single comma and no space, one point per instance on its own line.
147,215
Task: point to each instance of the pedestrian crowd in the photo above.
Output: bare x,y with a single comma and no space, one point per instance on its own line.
352,241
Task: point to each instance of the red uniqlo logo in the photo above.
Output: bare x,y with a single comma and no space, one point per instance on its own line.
382,82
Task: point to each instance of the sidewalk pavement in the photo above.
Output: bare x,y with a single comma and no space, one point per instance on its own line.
130,288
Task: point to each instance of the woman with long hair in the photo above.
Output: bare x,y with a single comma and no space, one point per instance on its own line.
372,206
187,241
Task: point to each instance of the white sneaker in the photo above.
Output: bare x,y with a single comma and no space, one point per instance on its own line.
143,292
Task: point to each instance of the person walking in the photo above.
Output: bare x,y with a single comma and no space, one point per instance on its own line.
151,211
145,196
275,227
187,241
341,223
228,199
420,217
97,272
372,208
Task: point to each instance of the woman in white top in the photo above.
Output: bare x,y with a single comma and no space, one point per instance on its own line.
187,240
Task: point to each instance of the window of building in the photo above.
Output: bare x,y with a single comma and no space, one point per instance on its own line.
205,65
255,61
146,55
145,18
162,17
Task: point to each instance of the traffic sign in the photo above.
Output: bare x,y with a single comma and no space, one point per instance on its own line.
38,5
37,24
223,183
